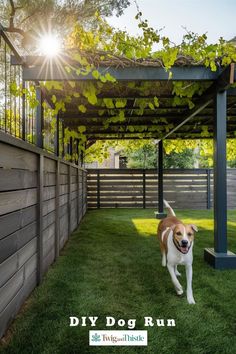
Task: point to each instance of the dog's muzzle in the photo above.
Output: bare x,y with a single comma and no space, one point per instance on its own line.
183,248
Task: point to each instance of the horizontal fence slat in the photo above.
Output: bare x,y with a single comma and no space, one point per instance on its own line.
183,188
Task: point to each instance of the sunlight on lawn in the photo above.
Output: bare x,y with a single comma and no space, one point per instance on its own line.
146,227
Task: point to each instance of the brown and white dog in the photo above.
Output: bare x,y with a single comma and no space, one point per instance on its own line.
176,243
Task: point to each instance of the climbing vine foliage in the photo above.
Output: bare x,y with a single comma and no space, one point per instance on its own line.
105,45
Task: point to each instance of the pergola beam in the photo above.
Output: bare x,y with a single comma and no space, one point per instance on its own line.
195,111
43,69
223,82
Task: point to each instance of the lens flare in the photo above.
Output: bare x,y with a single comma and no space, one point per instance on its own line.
49,45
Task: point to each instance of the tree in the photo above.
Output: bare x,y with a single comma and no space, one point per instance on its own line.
184,159
142,154
145,157
30,17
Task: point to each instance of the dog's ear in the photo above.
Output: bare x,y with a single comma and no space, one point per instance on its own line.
194,227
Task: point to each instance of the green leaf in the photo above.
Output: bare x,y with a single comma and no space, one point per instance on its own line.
121,116
82,108
13,88
96,74
92,98
54,99
151,106
120,103
103,79
131,128
108,103
81,129
101,112
110,78
156,102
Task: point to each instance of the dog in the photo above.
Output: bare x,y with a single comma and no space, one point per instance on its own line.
176,243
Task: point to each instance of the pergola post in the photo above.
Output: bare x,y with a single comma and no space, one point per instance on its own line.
219,257
160,214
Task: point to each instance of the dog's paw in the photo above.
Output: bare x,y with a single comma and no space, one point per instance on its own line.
177,273
179,291
191,300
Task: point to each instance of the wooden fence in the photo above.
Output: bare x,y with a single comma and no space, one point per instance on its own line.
137,188
42,200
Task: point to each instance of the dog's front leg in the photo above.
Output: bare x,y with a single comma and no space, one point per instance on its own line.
189,275
174,279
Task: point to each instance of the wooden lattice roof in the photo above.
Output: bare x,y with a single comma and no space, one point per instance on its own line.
173,118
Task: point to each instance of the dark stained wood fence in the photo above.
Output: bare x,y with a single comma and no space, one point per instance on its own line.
137,188
42,200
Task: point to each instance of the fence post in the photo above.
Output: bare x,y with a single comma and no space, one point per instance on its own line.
40,219
208,188
57,212
69,200
98,189
144,189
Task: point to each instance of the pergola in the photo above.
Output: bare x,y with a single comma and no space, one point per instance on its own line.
214,109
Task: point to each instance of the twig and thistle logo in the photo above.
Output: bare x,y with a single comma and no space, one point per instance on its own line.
96,338
118,338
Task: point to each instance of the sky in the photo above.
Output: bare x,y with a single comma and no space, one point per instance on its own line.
216,17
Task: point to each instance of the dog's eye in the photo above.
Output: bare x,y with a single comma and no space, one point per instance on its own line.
189,234
178,233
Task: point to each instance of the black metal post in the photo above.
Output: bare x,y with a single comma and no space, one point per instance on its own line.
23,112
160,214
56,141
77,151
98,189
39,118
208,172
63,138
220,193
219,257
160,176
82,158
144,189
71,149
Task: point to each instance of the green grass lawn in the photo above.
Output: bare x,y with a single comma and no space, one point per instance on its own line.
112,267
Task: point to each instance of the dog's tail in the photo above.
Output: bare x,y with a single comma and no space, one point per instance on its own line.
171,211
